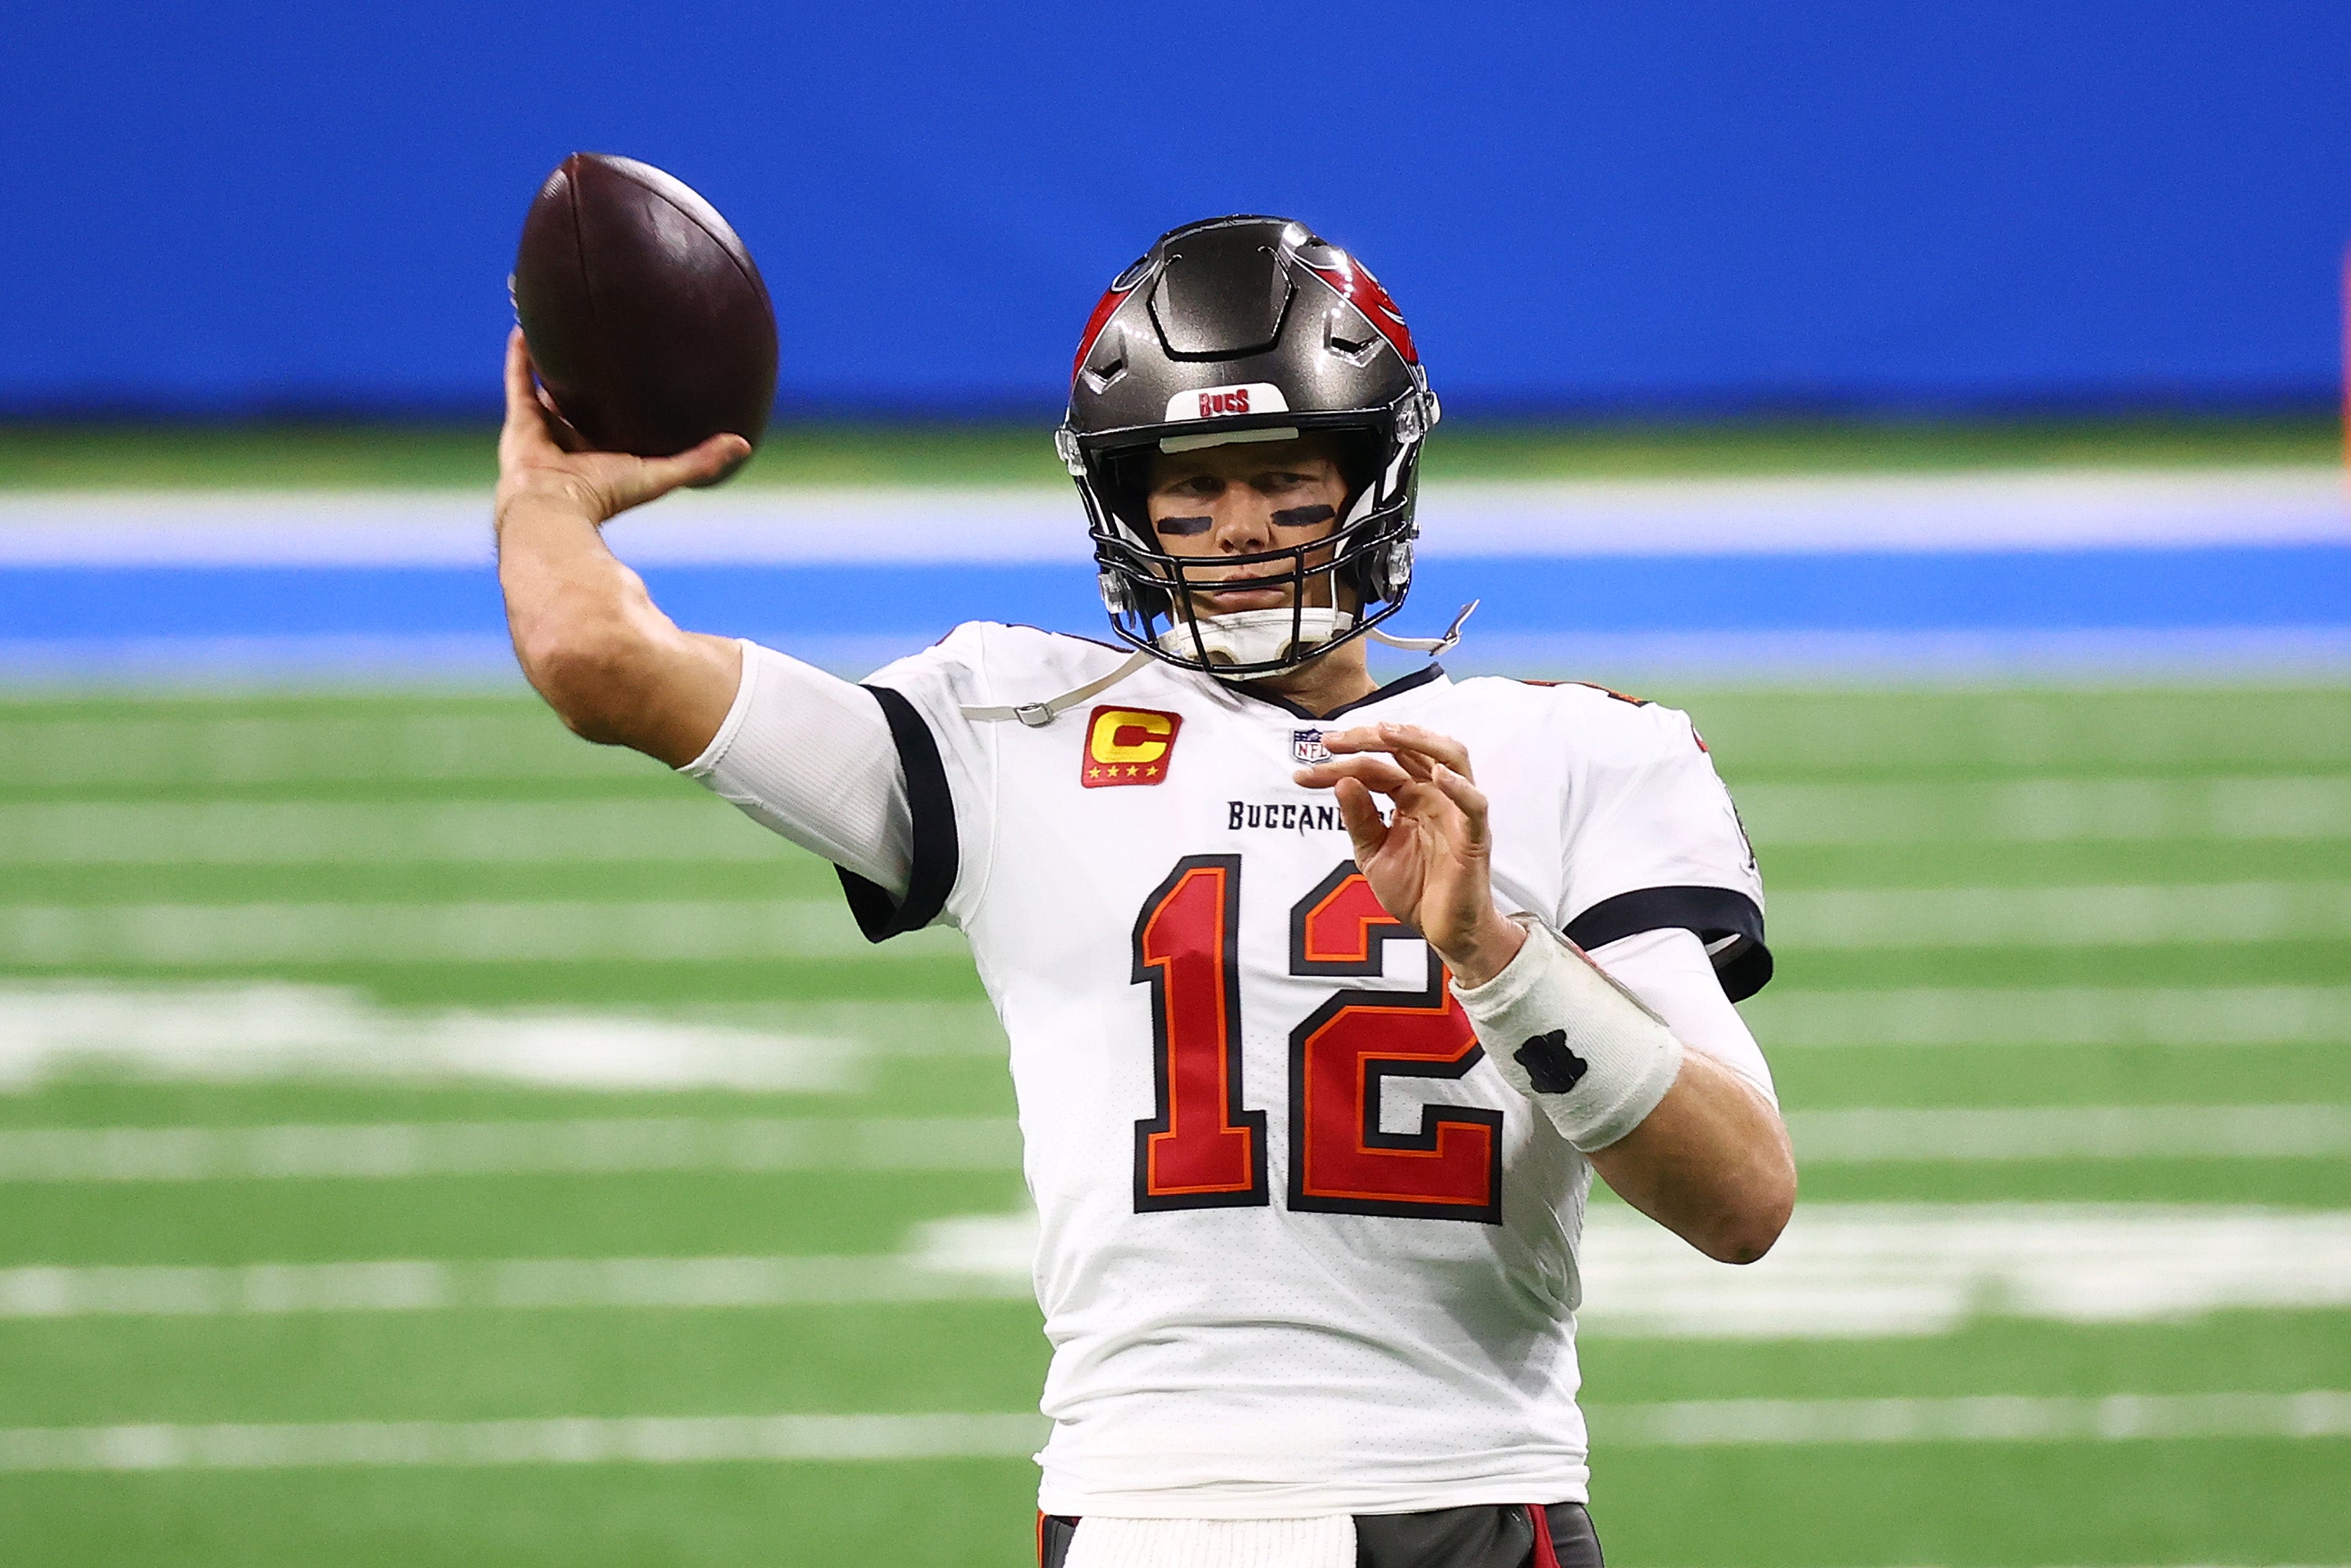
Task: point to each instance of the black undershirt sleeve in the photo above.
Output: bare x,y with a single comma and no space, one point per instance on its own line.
1743,964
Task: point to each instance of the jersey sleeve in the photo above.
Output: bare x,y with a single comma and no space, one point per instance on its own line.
807,755
1669,972
948,762
1653,843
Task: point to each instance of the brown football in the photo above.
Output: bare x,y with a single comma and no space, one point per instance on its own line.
646,317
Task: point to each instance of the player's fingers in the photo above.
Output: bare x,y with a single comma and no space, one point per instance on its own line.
1366,832
517,373
526,429
1376,772
695,465
1466,824
1356,737
1406,740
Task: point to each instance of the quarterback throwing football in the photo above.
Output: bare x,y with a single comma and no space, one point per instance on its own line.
1312,1089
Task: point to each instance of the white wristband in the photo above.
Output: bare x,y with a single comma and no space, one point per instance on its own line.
1571,1039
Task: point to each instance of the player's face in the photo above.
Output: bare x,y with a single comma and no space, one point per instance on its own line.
1243,499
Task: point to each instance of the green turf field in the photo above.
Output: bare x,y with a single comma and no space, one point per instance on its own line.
311,981
299,456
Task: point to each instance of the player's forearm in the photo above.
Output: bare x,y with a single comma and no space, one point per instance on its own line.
1711,1163
1680,1136
591,642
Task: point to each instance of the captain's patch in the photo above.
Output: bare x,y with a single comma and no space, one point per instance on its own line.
1127,745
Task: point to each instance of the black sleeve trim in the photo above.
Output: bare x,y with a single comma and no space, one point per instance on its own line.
1743,964
932,877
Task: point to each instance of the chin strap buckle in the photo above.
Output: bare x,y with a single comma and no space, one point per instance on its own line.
1432,646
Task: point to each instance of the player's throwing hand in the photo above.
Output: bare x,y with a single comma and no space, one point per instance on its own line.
1429,865
601,483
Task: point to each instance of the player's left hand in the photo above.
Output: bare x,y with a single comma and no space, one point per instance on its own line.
1431,865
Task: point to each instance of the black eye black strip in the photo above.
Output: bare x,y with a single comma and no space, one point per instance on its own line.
1194,525
1304,516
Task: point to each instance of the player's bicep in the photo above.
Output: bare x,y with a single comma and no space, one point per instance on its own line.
689,682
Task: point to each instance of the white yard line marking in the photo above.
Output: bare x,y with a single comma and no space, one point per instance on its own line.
64,936
417,1285
306,833
2083,1015
2044,811
246,832
2080,916
1842,1271
1877,1135
1892,1270
710,1440
564,1440
237,1033
1986,1419
201,747
400,1150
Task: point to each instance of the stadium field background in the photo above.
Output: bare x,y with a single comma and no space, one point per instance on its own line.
323,453
430,1139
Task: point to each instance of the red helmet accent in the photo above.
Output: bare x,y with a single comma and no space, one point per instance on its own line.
1103,310
1354,282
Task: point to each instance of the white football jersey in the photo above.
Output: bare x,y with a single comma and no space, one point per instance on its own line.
1304,1251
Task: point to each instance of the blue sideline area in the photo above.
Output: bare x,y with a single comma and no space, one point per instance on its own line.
61,619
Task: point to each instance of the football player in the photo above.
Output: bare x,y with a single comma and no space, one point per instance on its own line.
1313,1091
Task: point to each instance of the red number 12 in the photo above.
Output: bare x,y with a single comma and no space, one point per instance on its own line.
1204,1149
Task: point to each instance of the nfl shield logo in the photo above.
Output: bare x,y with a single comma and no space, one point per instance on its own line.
1306,744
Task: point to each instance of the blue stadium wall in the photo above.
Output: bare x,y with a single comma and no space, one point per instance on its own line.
241,208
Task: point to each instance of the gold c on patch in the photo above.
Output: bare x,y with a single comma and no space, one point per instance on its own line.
1127,745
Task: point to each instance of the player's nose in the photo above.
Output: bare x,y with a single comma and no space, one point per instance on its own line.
1244,524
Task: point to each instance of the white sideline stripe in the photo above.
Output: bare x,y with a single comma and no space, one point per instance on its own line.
2078,916
62,936
1984,1418
2082,1015
232,1033
395,1151
301,832
2048,811
707,1439
2206,656
1842,1271
1879,1136
2023,509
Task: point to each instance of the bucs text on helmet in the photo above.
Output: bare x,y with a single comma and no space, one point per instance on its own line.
1247,329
